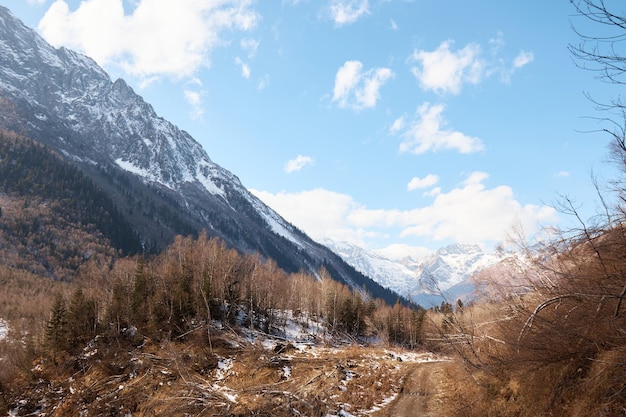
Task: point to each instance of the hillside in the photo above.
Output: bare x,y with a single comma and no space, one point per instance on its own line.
243,374
203,329
53,218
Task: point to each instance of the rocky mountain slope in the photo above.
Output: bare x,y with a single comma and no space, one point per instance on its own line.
157,175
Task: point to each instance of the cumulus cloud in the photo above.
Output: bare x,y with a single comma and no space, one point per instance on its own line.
320,213
445,71
160,37
344,12
417,183
298,163
470,212
428,131
475,213
358,89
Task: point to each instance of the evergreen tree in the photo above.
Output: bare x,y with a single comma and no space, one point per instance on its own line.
56,328
141,295
82,318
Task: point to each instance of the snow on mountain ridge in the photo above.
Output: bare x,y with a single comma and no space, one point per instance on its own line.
82,93
388,273
137,140
442,275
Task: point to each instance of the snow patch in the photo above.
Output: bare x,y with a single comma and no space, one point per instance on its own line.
224,365
275,222
208,184
4,329
133,169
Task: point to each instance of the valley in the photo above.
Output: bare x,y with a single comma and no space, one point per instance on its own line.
140,278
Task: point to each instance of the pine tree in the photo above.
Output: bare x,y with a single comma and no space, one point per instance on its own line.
139,302
82,318
56,328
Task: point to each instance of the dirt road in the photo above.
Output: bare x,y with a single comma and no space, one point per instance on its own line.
419,396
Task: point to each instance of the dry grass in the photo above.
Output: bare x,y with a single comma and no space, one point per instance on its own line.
236,378
550,370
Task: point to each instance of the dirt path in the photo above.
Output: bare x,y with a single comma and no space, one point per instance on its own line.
419,396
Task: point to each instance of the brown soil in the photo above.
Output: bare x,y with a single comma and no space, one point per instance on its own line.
420,394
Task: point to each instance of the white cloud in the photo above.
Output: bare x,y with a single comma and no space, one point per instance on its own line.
399,251
428,131
36,1
445,71
397,125
251,46
298,163
563,174
194,99
346,80
263,82
417,183
344,12
358,89
506,72
393,25
432,193
497,43
469,213
474,213
160,37
245,68
523,58
320,213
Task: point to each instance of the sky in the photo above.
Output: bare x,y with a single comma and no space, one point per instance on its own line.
398,125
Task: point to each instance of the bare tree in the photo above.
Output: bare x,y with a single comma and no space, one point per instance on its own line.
601,27
602,51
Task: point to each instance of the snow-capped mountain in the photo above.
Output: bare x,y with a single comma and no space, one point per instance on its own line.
157,174
398,276
443,275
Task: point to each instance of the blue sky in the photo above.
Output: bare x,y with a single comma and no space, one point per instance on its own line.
402,126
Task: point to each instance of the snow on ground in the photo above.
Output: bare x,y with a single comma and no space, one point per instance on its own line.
224,368
296,339
224,365
4,329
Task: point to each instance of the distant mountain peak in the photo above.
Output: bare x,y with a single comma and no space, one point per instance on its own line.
445,274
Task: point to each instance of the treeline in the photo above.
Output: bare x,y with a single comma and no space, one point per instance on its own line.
196,281
28,169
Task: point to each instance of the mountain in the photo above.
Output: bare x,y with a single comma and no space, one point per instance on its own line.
396,275
446,274
160,180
